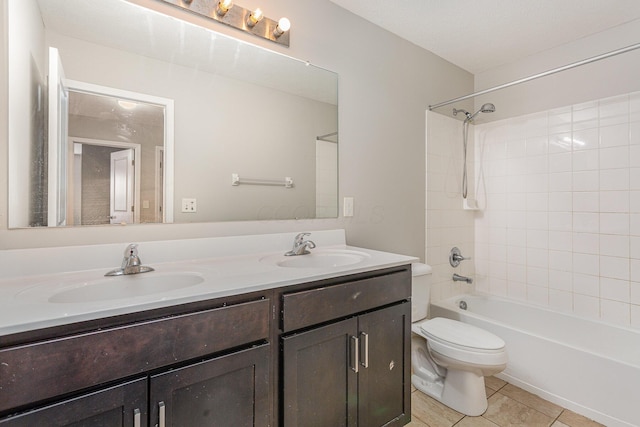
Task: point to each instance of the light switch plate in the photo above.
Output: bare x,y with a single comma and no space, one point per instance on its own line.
347,207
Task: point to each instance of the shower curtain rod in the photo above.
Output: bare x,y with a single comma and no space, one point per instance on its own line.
543,74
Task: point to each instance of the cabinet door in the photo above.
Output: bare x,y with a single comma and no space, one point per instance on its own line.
123,405
319,379
385,367
231,390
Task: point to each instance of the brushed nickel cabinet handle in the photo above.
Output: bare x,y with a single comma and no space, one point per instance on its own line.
365,336
355,346
136,417
162,409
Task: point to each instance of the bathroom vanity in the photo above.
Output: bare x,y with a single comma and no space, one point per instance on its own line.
294,346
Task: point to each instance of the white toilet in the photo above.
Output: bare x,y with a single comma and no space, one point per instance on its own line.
450,359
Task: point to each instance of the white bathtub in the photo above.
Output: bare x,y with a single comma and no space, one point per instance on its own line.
587,366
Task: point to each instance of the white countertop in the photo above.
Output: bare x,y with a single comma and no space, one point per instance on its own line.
28,302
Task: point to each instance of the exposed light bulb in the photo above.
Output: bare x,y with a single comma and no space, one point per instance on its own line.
283,26
254,18
223,7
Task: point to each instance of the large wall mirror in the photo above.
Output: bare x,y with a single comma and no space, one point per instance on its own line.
120,114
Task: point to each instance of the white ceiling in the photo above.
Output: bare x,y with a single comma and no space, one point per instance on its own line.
478,35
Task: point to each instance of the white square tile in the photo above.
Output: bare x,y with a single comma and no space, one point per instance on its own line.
614,179
615,289
635,316
498,287
586,306
497,270
613,136
561,260
560,162
537,183
516,219
516,166
614,201
586,222
517,255
634,132
516,184
585,116
538,258
562,181
585,284
586,201
635,293
562,241
560,280
516,273
538,295
614,110
634,179
561,300
615,312
634,274
586,264
634,247
585,160
516,237
517,148
634,107
562,201
537,165
536,146
537,276
516,201
614,223
537,220
586,181
586,243
634,224
537,202
614,267
560,221
588,139
634,201
614,157
559,120
517,290
634,156
614,245
560,142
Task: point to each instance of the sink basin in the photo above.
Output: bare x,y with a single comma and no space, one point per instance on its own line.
130,286
319,259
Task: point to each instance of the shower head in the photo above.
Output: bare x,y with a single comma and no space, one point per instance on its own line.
486,108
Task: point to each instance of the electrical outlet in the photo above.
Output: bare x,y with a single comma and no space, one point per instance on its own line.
189,206
347,207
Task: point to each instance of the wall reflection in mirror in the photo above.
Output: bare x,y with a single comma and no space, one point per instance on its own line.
112,121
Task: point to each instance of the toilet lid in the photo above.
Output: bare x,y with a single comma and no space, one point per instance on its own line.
460,334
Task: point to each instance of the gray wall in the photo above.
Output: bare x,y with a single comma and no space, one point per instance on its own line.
385,86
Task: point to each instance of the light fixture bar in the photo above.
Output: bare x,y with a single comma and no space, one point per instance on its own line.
237,17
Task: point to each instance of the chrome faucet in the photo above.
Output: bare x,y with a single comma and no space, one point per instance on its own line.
300,245
131,263
459,278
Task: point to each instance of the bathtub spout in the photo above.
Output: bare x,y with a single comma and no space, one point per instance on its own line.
459,278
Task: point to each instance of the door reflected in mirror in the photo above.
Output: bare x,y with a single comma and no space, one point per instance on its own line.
233,108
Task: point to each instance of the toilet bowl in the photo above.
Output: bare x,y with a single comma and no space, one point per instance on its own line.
450,359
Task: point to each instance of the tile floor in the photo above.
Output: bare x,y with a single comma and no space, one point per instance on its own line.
508,406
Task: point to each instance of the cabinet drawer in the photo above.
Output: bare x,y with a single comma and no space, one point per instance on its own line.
34,372
313,306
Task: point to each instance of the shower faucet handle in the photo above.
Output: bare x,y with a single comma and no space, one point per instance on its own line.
455,257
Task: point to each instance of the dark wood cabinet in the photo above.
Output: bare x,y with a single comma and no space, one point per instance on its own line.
355,372
342,359
232,390
320,384
123,405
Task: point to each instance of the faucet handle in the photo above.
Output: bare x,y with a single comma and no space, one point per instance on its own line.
131,250
300,237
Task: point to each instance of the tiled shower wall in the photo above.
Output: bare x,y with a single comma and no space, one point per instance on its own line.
448,224
561,220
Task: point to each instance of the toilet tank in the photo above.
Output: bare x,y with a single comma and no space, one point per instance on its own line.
420,290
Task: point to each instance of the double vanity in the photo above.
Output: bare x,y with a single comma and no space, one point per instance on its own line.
230,332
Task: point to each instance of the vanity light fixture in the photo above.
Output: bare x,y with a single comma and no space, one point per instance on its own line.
223,7
255,17
283,26
249,21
